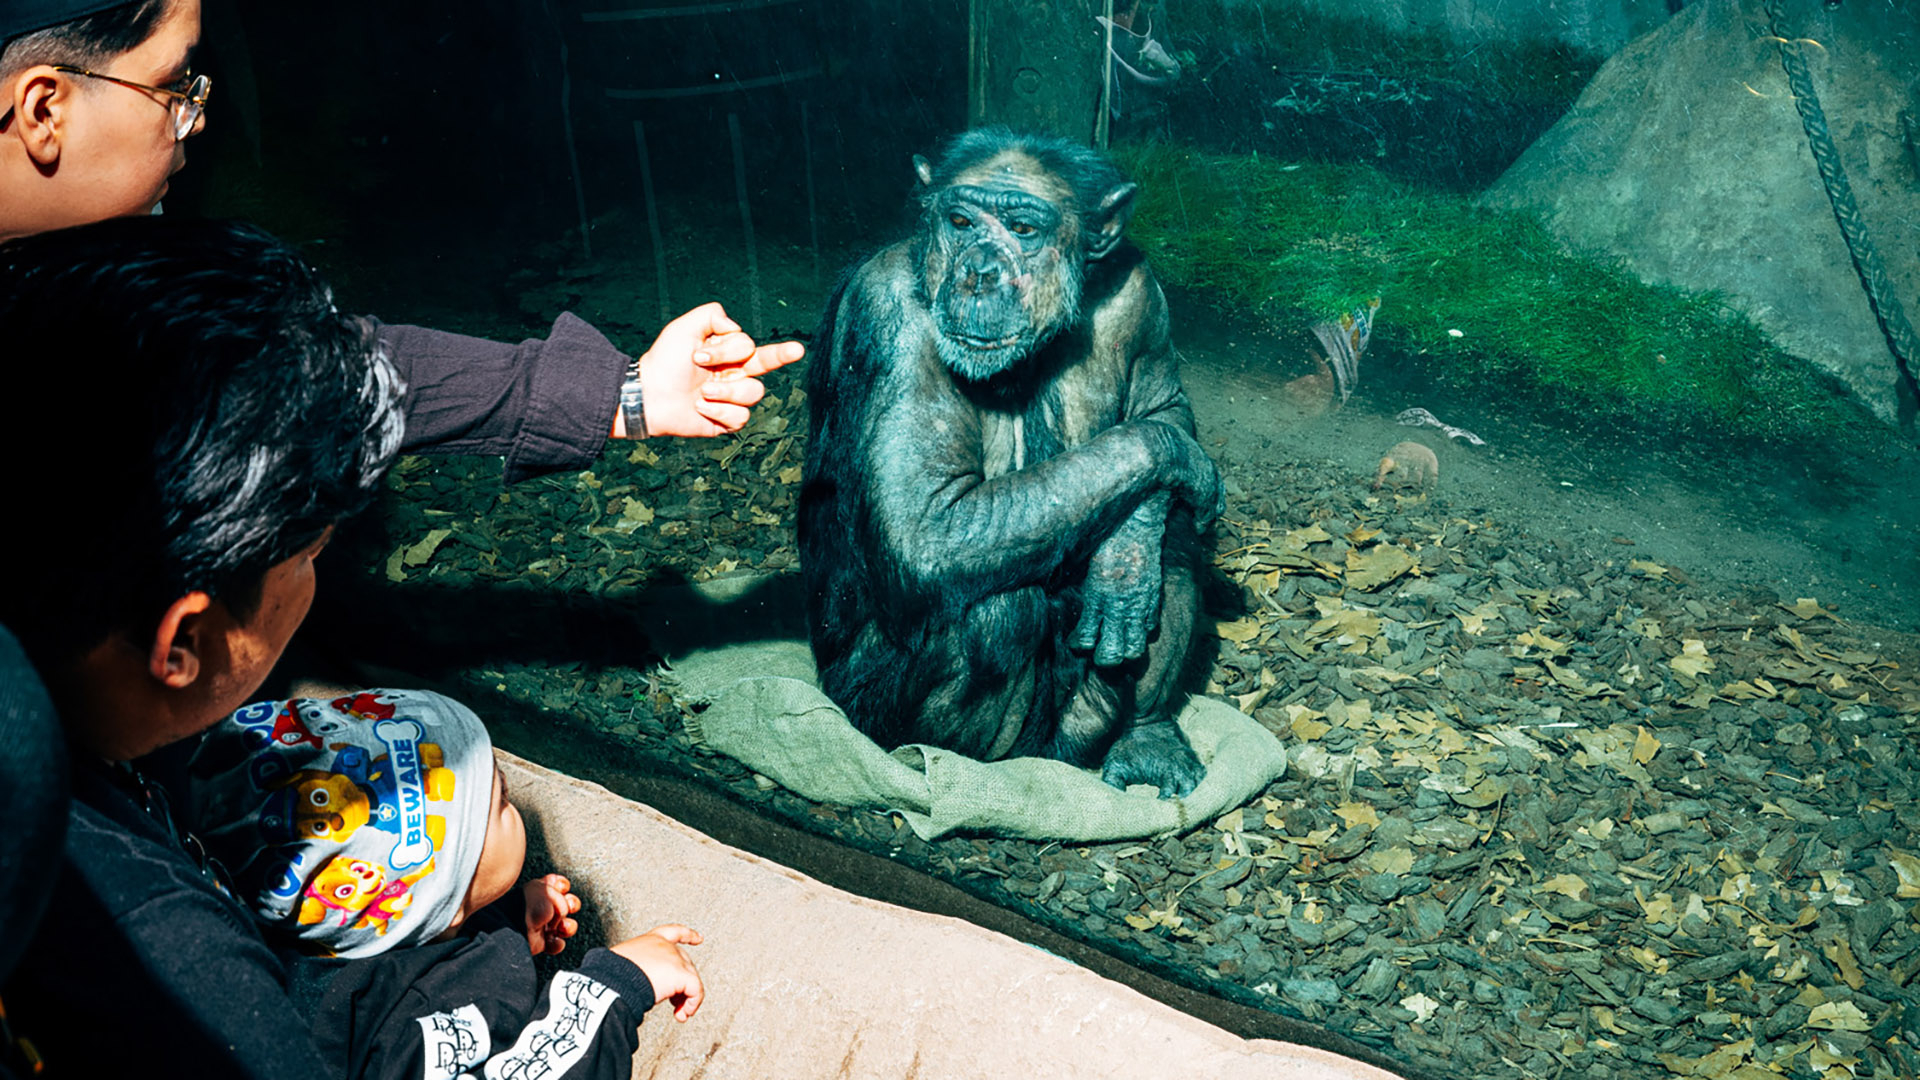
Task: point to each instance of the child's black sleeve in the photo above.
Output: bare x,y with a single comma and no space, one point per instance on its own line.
435,1012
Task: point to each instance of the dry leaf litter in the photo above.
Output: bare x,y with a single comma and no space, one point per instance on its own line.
1545,817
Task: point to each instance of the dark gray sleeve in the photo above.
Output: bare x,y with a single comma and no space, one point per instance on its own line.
140,961
545,405
439,1011
33,799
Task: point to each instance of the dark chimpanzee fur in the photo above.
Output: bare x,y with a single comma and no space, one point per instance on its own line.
1002,494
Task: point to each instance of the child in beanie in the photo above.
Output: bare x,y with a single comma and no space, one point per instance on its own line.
374,830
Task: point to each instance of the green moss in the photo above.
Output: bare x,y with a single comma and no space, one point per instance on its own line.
1292,241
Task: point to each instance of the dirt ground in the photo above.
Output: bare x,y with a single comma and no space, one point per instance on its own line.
1832,524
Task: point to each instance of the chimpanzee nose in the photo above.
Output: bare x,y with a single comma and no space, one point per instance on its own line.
981,269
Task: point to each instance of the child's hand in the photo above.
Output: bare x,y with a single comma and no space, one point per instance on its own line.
550,901
657,953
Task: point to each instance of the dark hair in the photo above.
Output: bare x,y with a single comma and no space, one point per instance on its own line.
89,41
188,409
1086,170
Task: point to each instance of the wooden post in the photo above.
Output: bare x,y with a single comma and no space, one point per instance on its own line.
1035,65
653,222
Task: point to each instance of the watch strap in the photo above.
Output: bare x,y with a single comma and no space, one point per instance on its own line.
632,408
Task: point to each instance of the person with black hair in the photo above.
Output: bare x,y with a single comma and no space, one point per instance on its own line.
97,101
144,635
248,416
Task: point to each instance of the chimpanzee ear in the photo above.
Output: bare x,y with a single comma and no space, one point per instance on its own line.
1110,220
924,170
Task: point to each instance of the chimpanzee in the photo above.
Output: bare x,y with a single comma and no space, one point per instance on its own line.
1002,494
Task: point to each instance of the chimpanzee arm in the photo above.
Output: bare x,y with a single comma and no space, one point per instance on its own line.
1120,602
1136,319
947,526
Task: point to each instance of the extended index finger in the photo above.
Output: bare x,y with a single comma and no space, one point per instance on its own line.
768,357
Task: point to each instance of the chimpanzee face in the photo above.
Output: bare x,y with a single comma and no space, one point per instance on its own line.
1000,262
1000,275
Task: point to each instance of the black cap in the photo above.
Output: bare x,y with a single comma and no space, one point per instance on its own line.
19,17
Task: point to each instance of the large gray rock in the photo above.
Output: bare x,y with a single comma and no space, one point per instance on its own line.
1686,159
1598,25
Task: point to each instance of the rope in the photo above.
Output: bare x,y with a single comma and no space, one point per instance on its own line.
1866,261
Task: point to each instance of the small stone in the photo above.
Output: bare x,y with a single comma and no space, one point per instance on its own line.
1316,991
1792,734
1049,885
1380,888
1573,910
1347,844
1235,873
1785,1020
1870,924
1448,832
1664,822
1379,980
1304,930
1660,1010
1488,661
1392,832
1713,1023
1713,968
1427,919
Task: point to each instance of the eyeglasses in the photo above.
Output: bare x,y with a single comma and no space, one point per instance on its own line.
186,106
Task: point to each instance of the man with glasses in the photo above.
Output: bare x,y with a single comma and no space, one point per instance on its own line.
96,110
185,105
97,101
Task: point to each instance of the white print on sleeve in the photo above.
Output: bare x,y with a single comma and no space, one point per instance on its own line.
556,1042
454,1041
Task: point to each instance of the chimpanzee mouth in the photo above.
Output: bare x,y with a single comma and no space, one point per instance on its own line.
985,344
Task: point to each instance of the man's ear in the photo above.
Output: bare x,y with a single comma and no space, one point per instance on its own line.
179,641
39,100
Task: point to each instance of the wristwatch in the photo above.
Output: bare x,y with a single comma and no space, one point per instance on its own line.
630,404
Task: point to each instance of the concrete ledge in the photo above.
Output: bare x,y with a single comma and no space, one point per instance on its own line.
805,980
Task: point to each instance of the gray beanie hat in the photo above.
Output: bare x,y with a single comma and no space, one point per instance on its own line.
354,825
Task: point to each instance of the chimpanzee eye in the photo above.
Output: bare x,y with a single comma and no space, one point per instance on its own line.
1021,228
960,221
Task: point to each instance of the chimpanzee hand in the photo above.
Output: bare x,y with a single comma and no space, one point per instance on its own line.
1120,603
1157,754
1190,473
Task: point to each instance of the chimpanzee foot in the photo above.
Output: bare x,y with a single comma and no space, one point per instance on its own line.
1156,754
